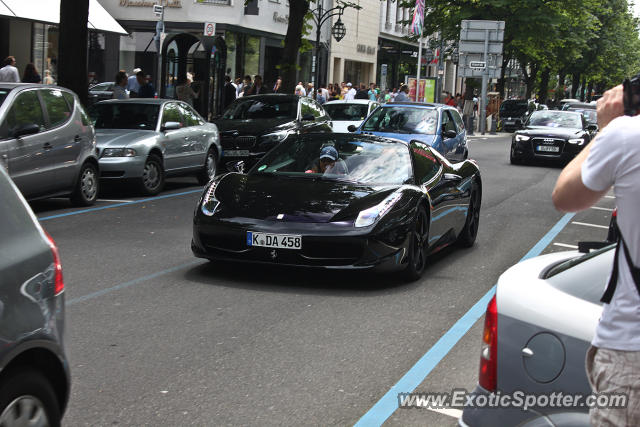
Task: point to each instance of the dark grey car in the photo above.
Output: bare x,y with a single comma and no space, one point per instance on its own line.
47,142
34,373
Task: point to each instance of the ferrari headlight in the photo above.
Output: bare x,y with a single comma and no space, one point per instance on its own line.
209,202
578,141
118,152
274,138
522,137
371,215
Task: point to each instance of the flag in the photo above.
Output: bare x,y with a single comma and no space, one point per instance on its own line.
418,18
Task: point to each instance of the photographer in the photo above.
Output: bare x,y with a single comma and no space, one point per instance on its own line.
612,159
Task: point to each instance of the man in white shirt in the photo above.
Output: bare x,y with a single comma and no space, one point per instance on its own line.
612,159
132,83
9,73
351,93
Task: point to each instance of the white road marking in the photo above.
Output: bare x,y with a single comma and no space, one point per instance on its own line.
602,209
564,245
606,227
455,413
115,200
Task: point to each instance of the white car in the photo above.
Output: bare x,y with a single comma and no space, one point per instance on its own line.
345,113
538,328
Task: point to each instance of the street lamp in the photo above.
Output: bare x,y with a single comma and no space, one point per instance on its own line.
338,30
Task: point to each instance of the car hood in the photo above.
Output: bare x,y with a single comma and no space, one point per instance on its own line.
408,137
297,199
549,131
121,137
254,127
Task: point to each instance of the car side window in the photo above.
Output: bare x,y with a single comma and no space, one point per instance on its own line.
171,113
25,110
458,120
317,110
190,117
57,107
426,165
447,122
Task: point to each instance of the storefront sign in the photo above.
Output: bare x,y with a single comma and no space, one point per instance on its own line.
426,89
281,19
369,50
150,3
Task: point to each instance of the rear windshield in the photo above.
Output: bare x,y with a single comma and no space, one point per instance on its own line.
124,116
403,119
347,112
514,106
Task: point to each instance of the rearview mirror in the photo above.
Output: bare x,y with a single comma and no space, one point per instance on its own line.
28,129
352,128
449,133
171,126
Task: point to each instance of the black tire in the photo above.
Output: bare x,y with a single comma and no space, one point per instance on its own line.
152,180
469,233
87,186
513,158
417,260
24,389
210,168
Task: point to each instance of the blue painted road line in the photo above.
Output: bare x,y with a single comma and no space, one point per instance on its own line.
388,404
130,283
117,205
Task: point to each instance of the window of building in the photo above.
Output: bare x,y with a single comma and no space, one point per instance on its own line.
45,52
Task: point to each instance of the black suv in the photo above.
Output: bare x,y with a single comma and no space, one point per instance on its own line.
34,373
513,113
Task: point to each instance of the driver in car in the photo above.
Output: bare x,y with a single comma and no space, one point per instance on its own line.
328,162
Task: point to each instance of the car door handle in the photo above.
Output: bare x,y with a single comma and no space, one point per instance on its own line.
77,138
527,352
47,146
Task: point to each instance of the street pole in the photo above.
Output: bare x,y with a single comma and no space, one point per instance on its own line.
440,68
317,61
419,66
159,33
485,80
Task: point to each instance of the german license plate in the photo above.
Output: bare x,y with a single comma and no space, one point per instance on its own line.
268,240
509,122
236,153
548,148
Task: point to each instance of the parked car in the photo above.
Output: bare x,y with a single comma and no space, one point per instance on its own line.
145,140
101,92
253,125
349,112
551,135
341,201
47,143
589,112
34,372
437,125
513,113
565,103
538,328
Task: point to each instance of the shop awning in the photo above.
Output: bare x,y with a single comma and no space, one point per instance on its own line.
49,11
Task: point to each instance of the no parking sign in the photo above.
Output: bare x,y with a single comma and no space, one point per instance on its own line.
209,29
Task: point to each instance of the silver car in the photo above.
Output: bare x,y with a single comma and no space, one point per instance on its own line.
145,140
47,142
537,330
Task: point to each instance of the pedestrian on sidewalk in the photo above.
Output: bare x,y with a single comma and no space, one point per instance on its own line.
402,95
9,73
31,74
611,160
119,91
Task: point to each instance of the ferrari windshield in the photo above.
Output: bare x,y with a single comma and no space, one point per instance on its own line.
346,112
262,108
124,116
555,119
366,161
403,119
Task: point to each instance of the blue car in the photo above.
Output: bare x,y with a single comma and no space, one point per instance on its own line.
437,125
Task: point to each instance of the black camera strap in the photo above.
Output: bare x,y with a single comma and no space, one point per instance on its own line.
613,280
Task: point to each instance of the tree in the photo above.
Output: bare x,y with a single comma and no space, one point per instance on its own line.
292,40
72,47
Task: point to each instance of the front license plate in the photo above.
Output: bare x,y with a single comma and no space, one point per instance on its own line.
236,153
509,122
268,240
548,148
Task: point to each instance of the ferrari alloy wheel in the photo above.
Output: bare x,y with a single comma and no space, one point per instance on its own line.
152,179
468,234
210,168
418,247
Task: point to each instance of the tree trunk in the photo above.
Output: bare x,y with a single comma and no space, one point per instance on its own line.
288,67
544,86
560,89
502,80
72,47
582,88
529,78
589,90
575,81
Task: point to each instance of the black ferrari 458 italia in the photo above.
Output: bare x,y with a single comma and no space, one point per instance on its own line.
340,201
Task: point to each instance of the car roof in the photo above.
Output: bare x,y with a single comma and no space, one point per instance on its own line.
349,101
11,86
415,104
273,95
583,105
152,101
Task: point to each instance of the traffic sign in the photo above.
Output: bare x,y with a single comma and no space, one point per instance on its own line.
477,65
157,9
209,29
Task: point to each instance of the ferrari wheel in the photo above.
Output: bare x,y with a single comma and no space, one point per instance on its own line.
468,234
418,247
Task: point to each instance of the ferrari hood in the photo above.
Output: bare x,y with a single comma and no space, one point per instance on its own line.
295,199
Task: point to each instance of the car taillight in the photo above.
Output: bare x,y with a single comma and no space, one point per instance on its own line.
488,377
57,278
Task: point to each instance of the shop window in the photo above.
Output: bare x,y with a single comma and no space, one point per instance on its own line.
45,51
57,108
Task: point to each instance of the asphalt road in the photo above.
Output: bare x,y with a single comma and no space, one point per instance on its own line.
158,337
